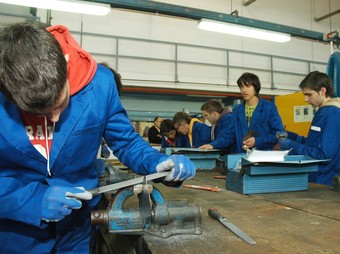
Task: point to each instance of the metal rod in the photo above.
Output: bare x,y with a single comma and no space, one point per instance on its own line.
117,54
48,17
327,15
249,2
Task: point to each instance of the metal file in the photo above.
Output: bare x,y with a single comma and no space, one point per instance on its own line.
127,183
213,213
116,186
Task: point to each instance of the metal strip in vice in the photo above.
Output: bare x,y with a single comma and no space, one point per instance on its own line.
127,183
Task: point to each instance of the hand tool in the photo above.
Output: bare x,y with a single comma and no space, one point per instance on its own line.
213,213
220,177
120,185
249,134
201,187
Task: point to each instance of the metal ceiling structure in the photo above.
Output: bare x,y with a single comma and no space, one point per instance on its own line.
327,15
198,14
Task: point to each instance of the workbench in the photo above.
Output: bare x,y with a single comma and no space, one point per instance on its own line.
289,222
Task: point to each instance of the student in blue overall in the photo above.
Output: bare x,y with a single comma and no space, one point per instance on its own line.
56,105
198,132
256,121
323,139
219,117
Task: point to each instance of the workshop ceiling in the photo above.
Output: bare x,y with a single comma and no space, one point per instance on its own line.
197,14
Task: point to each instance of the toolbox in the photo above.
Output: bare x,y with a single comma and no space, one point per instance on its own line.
291,174
203,159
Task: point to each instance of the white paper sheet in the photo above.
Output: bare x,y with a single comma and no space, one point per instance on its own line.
266,156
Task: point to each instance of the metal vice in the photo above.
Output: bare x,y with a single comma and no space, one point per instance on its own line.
154,215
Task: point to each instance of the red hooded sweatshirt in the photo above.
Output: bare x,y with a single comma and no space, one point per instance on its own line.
81,68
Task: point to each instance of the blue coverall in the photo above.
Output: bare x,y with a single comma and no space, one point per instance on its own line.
322,142
200,134
94,112
265,122
222,130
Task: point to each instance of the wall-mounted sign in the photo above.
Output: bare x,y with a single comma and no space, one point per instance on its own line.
303,113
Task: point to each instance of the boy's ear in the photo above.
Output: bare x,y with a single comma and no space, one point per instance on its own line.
323,91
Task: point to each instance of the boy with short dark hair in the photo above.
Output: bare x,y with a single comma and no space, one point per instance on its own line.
56,105
323,139
256,121
170,137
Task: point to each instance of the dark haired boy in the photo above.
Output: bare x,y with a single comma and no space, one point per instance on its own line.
323,139
56,105
256,121
170,137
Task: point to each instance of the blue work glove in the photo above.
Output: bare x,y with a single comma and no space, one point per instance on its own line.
180,167
59,201
285,144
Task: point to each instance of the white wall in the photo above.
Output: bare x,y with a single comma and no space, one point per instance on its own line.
194,76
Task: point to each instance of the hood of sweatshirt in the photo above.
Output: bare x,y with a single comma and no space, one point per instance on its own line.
333,102
225,111
81,66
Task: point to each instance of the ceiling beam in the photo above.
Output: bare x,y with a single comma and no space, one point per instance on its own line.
197,14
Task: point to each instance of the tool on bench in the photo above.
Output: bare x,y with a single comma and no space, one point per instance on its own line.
220,177
215,189
153,214
213,213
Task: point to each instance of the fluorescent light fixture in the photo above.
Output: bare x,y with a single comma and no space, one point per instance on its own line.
67,6
234,29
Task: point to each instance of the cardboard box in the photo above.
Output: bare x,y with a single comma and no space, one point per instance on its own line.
265,177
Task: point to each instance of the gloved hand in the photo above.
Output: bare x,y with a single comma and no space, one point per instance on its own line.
285,144
180,167
280,135
56,204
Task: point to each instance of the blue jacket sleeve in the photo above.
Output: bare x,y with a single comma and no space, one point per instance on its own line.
200,134
323,140
164,143
224,133
182,141
130,148
295,137
14,194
